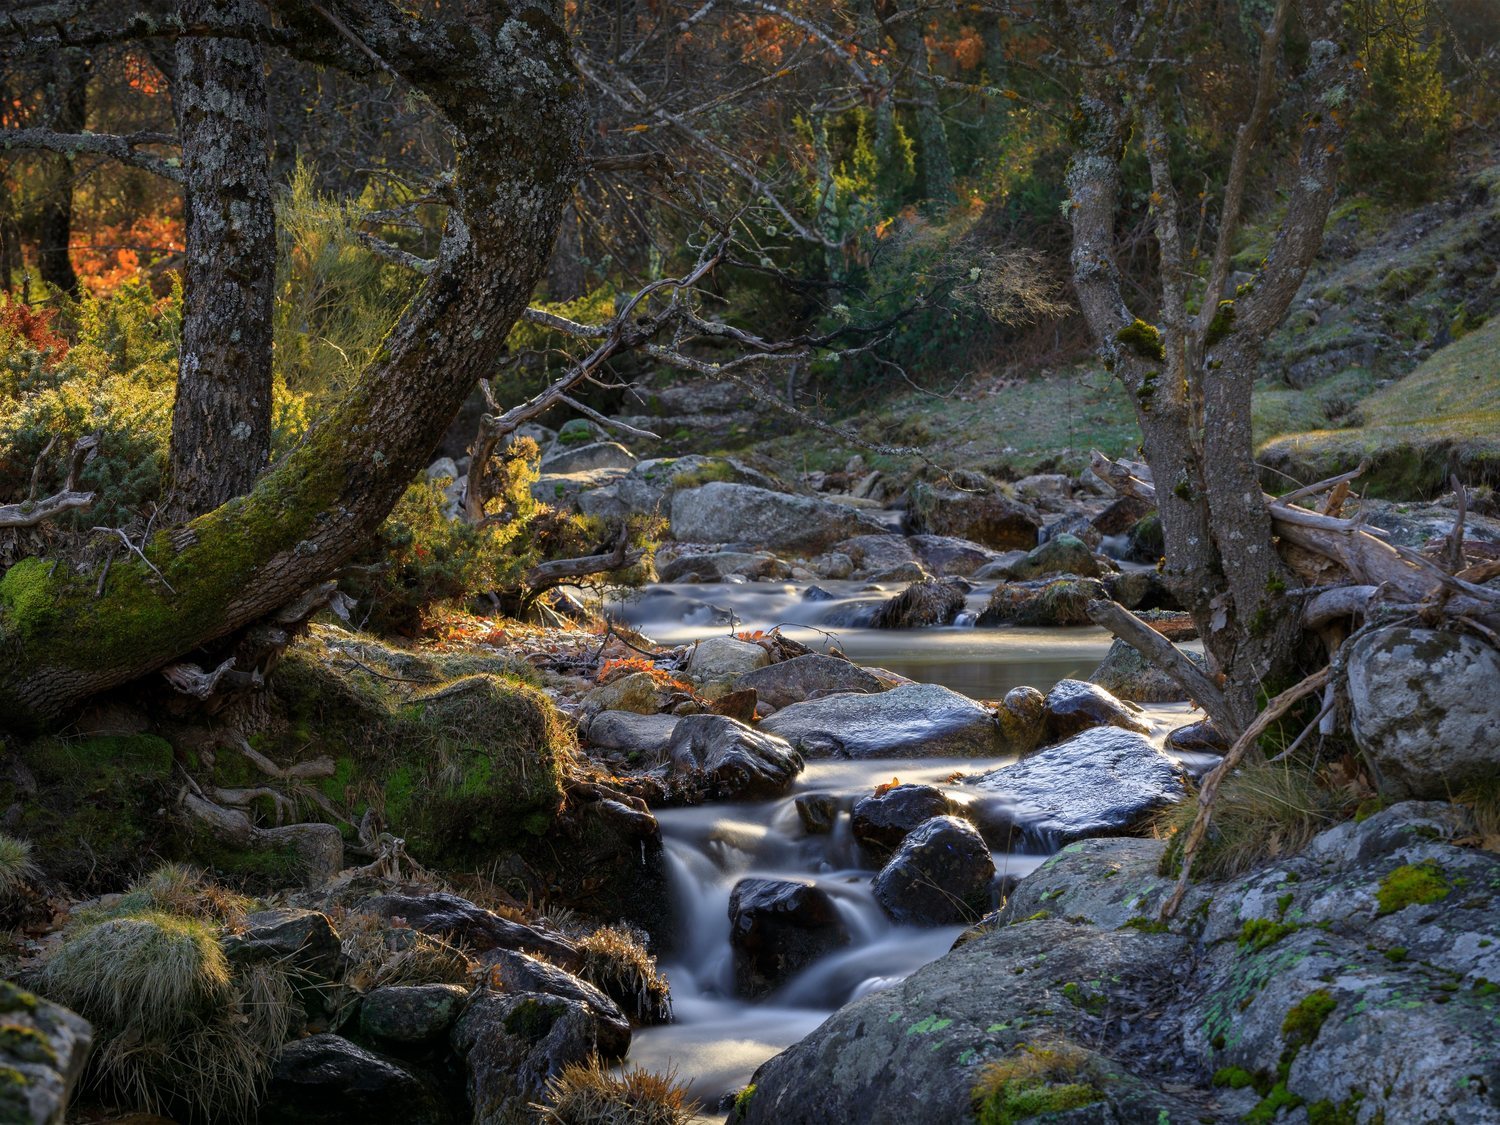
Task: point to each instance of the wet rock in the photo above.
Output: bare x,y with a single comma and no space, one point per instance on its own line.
990,518
635,692
1065,554
742,705
1103,782
818,594
778,927
718,565
584,458
460,922
1426,709
909,721
1060,601
1140,590
1124,673
631,735
905,572
723,658
1023,719
730,760
919,606
1079,526
1201,737
1073,705
521,973
301,939
939,876
882,820
327,1080
1123,514
948,556
835,565
818,812
511,1043
411,1014
724,513
43,1048
1146,543
792,681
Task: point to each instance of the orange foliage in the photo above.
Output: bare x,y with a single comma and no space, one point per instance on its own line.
22,322
966,49
885,787
107,256
628,665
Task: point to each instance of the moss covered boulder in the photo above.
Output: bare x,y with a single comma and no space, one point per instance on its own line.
43,1048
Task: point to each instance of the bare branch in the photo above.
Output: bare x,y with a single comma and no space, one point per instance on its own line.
121,148
1163,655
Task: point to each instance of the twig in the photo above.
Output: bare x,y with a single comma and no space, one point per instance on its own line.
137,552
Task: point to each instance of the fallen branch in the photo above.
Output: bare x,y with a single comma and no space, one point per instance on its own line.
1163,655
1274,710
31,512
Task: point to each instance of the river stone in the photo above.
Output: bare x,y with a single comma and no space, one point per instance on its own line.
300,939
565,489
778,521
921,605
872,554
1141,590
411,1014
1056,601
511,1043
1103,782
883,819
1121,515
650,485
818,812
327,1080
792,681
1065,554
908,721
988,518
583,458
520,972
624,732
1124,673
1073,705
462,923
633,692
939,876
1426,709
735,762
723,658
46,1046
718,565
1201,737
948,556
777,927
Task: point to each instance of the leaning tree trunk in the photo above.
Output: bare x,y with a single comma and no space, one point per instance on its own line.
517,114
221,424
70,86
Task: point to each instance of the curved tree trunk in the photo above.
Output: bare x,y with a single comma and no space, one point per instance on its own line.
517,114
221,423
70,88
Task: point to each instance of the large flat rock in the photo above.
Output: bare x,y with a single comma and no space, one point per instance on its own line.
909,721
722,512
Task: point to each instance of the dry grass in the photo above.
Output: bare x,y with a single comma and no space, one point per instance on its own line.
187,892
1483,803
16,866
1262,812
615,960
378,954
592,1094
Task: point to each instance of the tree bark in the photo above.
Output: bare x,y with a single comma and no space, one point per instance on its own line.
932,133
221,424
517,113
70,85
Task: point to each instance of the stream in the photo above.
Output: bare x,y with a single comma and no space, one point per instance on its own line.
717,1039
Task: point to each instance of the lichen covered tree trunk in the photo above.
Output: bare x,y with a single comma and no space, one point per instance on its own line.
221,425
508,90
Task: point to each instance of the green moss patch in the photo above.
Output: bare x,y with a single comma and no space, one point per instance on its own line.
1411,885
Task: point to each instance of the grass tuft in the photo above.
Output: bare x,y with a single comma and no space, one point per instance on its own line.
16,866
615,960
592,1094
1038,1079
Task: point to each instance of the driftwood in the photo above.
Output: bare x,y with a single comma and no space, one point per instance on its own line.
31,511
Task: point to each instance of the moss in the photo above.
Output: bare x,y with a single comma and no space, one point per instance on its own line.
1278,1099
16,999
1143,339
26,1044
742,1100
1017,1102
1327,1112
1262,933
1411,885
14,1104
1084,998
1306,1019
1233,1077
707,473
532,1019
1039,916
1147,925
1396,954
1221,325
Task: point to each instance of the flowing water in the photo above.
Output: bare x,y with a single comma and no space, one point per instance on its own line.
718,1040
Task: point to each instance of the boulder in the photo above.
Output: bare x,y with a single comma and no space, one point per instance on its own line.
908,721
473,928
921,605
631,735
1050,491
43,1048
1139,590
1146,542
948,556
718,565
777,927
584,458
1426,709
1065,554
301,939
1079,526
939,876
410,1015
443,467
732,761
1059,601
635,692
649,486
327,1080
883,819
519,972
742,704
1201,737
567,489
511,1043
723,513
1103,782
903,572
792,681
1073,705
1123,514
1124,673
723,658
988,518
818,812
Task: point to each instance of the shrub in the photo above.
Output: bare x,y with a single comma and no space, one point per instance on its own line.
615,960
592,1094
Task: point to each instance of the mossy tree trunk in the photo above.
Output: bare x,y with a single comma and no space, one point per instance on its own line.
505,85
1190,377
221,423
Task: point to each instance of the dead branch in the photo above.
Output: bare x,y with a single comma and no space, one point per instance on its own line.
1162,654
121,148
546,574
189,679
1273,711
30,511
